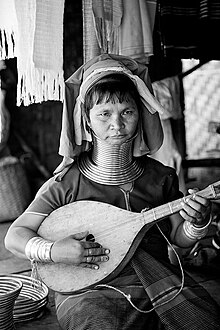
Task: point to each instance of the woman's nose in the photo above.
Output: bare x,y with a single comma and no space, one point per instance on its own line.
117,122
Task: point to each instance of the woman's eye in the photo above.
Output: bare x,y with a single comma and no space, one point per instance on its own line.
104,114
127,112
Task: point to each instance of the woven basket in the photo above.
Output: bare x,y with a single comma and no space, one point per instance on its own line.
9,291
14,189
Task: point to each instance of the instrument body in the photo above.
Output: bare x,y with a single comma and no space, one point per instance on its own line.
117,229
112,227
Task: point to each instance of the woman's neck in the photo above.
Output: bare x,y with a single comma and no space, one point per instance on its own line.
110,156
110,164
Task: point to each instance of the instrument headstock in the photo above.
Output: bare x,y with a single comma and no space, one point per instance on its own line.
215,187
212,191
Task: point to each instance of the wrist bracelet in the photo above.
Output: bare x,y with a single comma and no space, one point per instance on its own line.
38,249
193,232
206,225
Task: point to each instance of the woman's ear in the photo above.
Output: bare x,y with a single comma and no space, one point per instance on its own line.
87,122
85,114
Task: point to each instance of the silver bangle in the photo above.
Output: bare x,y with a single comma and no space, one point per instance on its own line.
38,249
193,232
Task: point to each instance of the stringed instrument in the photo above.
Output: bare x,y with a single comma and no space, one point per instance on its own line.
117,229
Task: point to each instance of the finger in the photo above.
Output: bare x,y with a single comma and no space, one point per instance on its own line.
87,265
193,190
198,203
187,217
90,245
80,236
192,208
203,201
194,212
96,251
94,259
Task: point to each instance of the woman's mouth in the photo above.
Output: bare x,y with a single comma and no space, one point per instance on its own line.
118,136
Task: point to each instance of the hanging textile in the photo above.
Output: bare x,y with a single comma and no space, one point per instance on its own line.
32,31
187,28
101,21
167,92
121,27
4,122
136,31
40,50
90,42
8,29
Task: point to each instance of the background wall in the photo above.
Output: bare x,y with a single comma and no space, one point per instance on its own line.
202,106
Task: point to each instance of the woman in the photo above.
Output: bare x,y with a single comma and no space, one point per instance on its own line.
110,124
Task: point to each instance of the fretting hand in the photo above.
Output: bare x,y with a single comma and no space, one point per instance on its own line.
75,250
196,209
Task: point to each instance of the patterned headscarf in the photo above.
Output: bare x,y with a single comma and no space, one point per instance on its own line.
75,138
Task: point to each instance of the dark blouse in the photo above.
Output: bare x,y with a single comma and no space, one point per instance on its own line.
156,186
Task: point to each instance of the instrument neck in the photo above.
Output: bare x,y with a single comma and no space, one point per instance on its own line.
165,210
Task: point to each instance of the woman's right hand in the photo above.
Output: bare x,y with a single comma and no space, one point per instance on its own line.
75,250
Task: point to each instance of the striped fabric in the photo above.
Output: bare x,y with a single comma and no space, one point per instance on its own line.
187,28
107,308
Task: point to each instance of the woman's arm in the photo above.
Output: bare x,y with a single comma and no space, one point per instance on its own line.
73,249
21,231
191,223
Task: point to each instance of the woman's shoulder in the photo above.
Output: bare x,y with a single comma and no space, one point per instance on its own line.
157,174
156,166
53,194
61,184
160,179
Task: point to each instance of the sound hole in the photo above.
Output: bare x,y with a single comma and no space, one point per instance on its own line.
90,238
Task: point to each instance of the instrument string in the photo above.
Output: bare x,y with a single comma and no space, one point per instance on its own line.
143,218
179,288
131,219
152,215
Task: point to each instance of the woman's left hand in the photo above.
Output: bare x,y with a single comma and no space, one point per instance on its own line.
196,209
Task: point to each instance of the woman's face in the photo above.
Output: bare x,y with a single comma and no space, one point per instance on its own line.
115,122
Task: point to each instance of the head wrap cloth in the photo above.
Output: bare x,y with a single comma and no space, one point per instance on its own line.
75,138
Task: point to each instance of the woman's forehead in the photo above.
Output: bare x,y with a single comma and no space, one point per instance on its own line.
112,97
109,104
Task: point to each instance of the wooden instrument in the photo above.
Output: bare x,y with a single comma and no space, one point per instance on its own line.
117,229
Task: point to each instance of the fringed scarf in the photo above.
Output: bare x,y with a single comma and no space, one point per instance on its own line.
8,29
40,50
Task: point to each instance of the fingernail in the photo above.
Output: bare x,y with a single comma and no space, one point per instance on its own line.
107,251
185,200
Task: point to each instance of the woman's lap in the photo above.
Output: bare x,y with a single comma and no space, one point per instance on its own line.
107,309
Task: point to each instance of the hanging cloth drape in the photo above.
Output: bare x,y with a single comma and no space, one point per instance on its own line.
8,29
167,92
136,30
122,27
4,120
101,21
32,31
187,28
40,50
